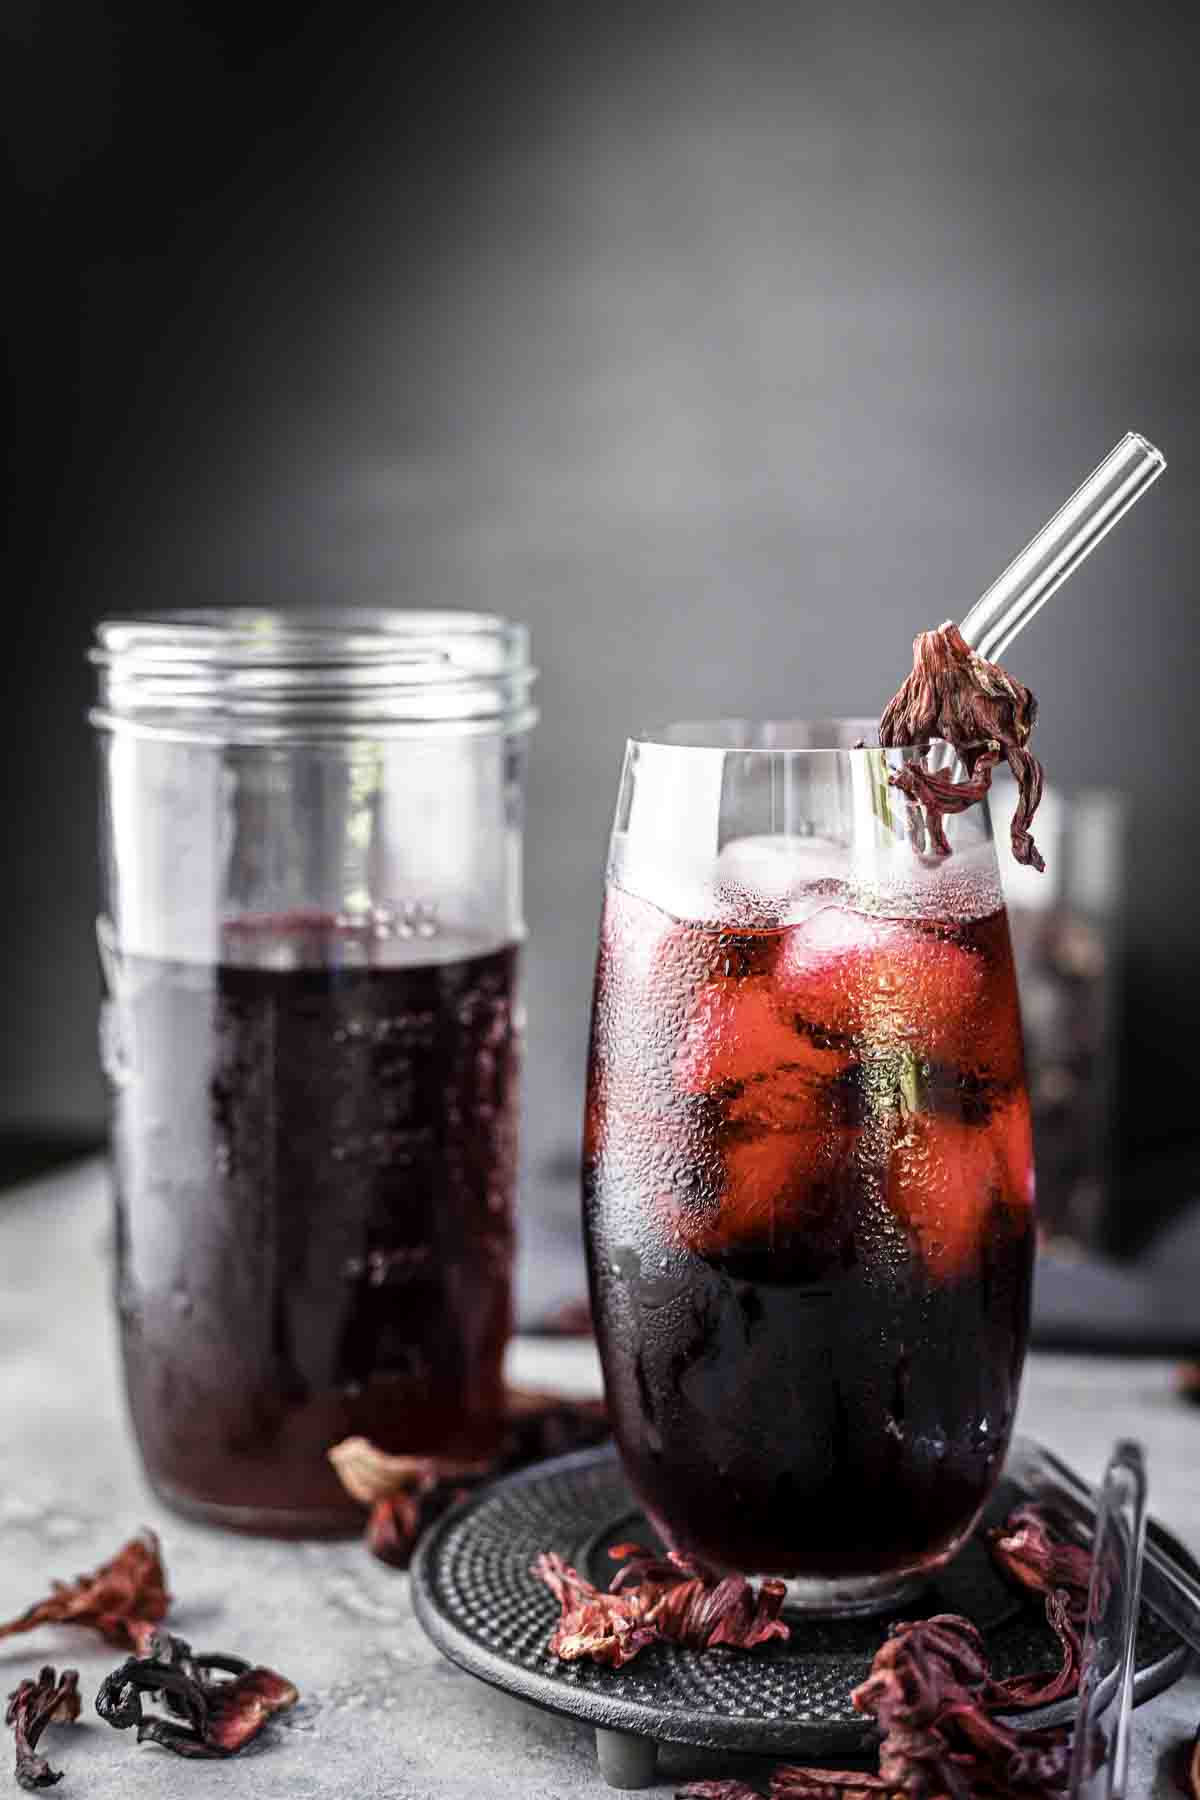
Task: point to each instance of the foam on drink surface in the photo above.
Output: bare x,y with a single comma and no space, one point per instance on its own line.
766,882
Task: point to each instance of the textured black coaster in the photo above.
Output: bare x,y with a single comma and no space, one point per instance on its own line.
475,1597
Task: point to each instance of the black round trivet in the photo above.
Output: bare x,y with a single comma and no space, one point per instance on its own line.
474,1595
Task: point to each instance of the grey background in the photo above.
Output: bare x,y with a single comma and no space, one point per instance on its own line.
726,345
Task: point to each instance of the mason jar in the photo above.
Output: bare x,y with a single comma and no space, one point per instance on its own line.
311,846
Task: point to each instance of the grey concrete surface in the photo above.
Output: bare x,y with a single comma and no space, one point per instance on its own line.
382,1716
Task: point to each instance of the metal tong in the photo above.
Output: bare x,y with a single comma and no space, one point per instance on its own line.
1169,1590
1103,1717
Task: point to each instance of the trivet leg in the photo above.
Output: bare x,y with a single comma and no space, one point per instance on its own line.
626,1761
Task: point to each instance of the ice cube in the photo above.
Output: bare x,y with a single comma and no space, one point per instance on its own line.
679,881
734,1032
886,984
944,1178
778,879
779,1188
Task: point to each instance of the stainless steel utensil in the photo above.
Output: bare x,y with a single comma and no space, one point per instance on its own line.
1169,1590
1100,1747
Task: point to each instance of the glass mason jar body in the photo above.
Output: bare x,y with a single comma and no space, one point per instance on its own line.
311,836
808,1178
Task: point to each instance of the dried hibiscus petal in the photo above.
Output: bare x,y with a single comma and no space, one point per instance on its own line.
123,1599
608,1628
655,1599
217,1703
1032,1555
717,1790
791,1782
974,705
1040,1690
935,1700
917,1671
1187,1769
369,1474
394,1525
691,1604
50,1700
407,1493
931,1692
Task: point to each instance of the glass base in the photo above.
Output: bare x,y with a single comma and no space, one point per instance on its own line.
853,1596
265,1521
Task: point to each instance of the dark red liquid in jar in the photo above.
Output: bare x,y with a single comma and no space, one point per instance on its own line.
314,1158
808,1199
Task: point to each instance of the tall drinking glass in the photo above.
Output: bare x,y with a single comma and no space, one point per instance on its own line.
808,1179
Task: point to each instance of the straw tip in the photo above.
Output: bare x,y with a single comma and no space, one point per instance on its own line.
1150,451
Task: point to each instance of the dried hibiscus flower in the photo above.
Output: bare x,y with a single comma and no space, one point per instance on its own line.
932,1694
1027,1691
211,1716
123,1599
717,1790
610,1629
791,1782
407,1493
654,1600
936,1701
50,1700
955,694
1031,1554
1187,1769
694,1605
404,1493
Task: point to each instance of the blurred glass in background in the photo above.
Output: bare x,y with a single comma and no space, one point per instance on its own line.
1068,939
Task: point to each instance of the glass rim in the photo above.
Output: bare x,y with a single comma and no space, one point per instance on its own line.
305,636
253,674
770,737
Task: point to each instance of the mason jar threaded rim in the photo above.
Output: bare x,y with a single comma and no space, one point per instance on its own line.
243,675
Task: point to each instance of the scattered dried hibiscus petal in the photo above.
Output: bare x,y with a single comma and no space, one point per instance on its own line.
931,1691
50,1700
792,1782
211,1717
1035,1557
609,1628
974,705
936,1701
393,1526
696,1606
123,1599
1039,1690
717,1790
1187,1769
407,1493
655,1599
369,1474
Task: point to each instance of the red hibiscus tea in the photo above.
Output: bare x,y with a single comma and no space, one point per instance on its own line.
808,1189
314,1150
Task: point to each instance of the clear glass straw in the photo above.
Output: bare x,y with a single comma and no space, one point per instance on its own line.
1061,545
